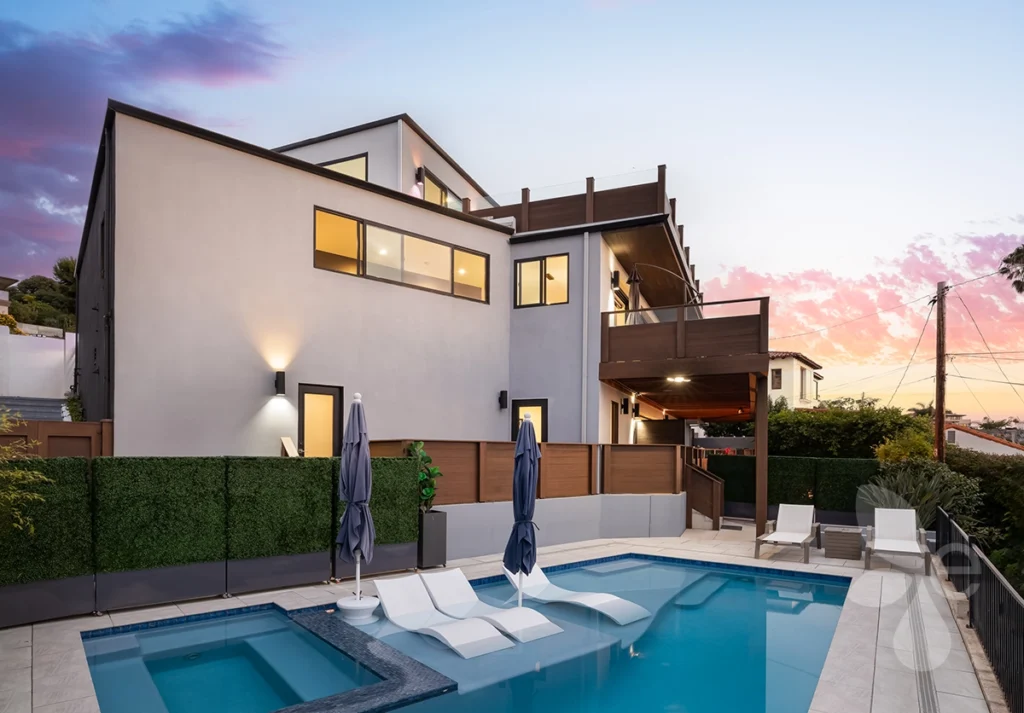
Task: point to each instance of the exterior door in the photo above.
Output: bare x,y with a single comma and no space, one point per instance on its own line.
615,421
538,410
320,420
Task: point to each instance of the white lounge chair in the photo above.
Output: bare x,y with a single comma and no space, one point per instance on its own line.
408,606
537,586
896,532
454,595
794,526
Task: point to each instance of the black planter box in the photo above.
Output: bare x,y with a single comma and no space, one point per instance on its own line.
146,587
252,575
432,549
49,599
386,558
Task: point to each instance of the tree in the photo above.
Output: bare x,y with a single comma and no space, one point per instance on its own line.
725,429
921,410
906,445
17,485
1012,267
49,302
848,403
990,426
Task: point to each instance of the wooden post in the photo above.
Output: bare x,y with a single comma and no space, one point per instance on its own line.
680,332
672,209
466,203
761,455
662,207
106,437
687,460
763,341
605,457
940,374
541,485
678,487
593,470
524,212
589,216
605,337
481,469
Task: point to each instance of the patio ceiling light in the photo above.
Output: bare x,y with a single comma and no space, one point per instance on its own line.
678,379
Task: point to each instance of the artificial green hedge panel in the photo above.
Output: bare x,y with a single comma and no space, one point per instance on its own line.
838,480
158,512
791,480
278,506
62,543
738,474
395,500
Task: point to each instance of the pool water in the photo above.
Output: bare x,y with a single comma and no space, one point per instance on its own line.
249,663
718,641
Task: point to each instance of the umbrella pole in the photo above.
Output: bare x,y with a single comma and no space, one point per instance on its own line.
358,590
520,586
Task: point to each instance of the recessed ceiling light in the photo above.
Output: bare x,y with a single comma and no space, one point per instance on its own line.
383,251
678,379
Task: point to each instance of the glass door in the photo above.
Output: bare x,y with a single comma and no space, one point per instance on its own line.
538,410
320,420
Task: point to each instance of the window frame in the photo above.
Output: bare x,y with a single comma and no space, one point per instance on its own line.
364,155
445,190
542,404
803,383
361,262
516,291
776,372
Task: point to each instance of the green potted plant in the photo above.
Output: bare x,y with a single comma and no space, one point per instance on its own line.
432,549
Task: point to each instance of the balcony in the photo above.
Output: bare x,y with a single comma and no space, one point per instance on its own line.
685,365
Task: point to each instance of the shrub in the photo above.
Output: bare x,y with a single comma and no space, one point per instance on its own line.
837,432
279,506
924,485
427,476
395,500
7,320
18,482
838,479
159,512
909,443
739,475
791,480
62,543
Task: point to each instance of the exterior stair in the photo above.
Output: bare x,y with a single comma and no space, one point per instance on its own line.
31,409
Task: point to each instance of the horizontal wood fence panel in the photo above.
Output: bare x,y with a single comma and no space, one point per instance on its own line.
565,470
722,336
388,449
642,342
460,468
631,469
63,439
498,462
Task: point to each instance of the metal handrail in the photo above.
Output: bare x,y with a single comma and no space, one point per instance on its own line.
692,304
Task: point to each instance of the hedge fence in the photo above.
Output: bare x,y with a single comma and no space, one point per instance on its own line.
826,483
121,514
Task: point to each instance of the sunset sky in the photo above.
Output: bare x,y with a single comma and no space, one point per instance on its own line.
841,158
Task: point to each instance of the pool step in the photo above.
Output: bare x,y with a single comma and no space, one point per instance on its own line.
700,590
310,676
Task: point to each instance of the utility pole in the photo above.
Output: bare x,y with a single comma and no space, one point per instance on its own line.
940,374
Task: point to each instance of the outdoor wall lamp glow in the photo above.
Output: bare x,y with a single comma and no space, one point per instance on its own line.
678,379
279,383
636,410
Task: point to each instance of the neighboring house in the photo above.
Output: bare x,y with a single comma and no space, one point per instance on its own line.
208,264
5,297
975,440
960,419
794,377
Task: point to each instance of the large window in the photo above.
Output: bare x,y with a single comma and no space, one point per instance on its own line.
354,166
542,281
357,247
436,192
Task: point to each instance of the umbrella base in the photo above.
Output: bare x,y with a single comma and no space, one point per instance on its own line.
358,612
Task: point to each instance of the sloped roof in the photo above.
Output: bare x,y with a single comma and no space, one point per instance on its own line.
795,355
986,436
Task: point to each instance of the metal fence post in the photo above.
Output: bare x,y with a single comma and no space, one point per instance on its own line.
972,584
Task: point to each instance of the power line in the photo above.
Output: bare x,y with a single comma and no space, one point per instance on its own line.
987,347
886,309
985,354
952,363
914,353
873,376
992,381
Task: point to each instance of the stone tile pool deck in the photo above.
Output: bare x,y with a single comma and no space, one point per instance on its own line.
897,646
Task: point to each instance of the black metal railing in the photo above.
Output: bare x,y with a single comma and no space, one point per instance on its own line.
996,608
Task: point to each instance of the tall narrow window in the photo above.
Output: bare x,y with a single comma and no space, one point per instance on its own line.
542,281
354,166
803,384
776,379
337,240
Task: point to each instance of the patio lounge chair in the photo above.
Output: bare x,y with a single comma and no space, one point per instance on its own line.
896,532
794,526
454,596
537,586
407,605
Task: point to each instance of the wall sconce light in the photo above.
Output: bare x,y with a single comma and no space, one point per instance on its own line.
421,175
625,405
502,400
615,279
636,410
279,383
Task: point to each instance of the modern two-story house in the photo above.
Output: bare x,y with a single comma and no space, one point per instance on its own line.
232,295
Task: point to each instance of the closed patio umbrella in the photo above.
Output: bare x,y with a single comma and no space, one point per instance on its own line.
633,316
521,550
356,534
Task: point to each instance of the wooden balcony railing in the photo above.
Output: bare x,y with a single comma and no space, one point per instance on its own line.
677,332
705,492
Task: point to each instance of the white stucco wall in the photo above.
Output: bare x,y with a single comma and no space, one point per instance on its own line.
981,445
791,383
416,152
36,367
216,290
380,143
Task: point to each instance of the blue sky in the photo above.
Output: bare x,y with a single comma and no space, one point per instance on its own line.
849,138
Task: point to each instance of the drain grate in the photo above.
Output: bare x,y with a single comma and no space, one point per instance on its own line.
927,697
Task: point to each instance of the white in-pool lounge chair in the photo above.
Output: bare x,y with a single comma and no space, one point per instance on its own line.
537,586
454,595
896,532
407,605
794,526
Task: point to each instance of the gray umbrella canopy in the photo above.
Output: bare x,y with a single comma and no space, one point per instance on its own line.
633,316
354,484
521,550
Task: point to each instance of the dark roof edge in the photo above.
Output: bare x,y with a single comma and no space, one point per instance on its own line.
108,122
270,155
619,224
384,122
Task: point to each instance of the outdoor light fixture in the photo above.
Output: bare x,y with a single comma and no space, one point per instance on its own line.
625,405
678,379
502,400
421,174
279,383
636,410
615,279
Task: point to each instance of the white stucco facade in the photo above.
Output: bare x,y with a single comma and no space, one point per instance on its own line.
216,290
785,375
982,443
36,367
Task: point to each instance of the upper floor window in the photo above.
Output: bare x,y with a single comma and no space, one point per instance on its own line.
354,166
803,383
358,247
542,281
434,191
776,379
